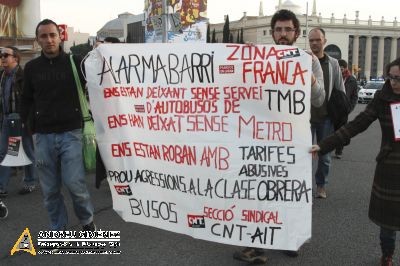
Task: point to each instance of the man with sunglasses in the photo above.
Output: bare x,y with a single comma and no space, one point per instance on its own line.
285,28
11,84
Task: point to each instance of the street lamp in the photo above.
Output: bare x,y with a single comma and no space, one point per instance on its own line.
164,21
307,20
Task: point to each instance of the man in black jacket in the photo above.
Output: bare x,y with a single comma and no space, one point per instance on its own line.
350,83
11,83
50,90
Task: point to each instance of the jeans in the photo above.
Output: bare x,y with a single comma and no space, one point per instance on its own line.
322,130
388,239
59,161
27,143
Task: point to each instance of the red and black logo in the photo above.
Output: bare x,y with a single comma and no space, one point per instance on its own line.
196,221
226,69
123,190
288,53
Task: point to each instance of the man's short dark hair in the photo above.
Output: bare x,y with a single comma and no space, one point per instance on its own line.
342,63
111,40
16,52
46,22
284,15
320,29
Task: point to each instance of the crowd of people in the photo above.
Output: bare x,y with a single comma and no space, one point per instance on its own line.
44,97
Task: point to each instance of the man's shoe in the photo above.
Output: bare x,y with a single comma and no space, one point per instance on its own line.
3,194
251,255
27,189
89,227
321,193
338,155
386,261
3,210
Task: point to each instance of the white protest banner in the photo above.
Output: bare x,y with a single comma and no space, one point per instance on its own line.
207,140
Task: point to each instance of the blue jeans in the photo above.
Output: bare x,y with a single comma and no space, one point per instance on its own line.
59,161
322,130
27,143
388,240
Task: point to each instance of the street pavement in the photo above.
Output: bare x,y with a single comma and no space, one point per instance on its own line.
341,231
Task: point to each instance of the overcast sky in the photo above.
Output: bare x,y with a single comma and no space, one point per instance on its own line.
90,15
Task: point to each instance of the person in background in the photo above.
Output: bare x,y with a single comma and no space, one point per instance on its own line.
384,206
321,123
111,40
97,43
106,40
11,85
50,88
350,84
285,28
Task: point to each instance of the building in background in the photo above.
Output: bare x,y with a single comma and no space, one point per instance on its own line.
136,32
367,45
18,19
75,38
119,28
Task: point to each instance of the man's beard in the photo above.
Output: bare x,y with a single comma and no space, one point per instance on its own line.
285,41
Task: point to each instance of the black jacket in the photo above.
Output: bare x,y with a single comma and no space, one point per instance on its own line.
384,208
351,90
49,88
16,91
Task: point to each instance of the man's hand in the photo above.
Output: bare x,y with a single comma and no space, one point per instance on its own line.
313,79
314,150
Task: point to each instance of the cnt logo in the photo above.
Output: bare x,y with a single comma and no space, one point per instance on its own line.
124,190
288,53
196,221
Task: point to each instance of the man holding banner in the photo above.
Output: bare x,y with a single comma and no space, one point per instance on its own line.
10,95
285,31
210,140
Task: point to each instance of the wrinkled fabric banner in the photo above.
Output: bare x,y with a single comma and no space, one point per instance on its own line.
207,140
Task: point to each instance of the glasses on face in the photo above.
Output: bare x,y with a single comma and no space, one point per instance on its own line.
393,78
5,55
285,29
